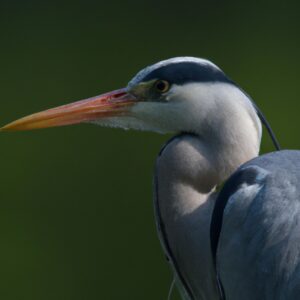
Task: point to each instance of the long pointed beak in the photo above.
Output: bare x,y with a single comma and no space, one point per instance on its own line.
111,104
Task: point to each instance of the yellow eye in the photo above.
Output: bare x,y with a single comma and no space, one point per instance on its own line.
162,86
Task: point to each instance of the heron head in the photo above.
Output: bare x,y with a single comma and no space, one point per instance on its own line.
183,94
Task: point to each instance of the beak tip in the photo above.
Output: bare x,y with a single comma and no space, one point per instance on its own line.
8,127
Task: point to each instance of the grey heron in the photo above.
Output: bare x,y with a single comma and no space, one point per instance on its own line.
228,219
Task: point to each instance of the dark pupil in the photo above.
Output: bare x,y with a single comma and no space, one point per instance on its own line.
161,85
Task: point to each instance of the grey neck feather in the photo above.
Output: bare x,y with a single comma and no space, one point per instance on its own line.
188,170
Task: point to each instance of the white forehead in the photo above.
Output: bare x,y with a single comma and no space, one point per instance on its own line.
144,72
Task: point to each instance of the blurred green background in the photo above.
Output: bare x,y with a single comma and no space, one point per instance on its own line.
76,218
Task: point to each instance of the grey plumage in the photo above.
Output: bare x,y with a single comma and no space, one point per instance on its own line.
259,249
240,243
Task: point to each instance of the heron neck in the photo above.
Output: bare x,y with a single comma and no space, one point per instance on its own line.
187,172
205,161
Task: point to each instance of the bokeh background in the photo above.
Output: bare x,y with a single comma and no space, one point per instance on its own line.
76,217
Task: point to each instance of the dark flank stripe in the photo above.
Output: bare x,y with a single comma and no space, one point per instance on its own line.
248,176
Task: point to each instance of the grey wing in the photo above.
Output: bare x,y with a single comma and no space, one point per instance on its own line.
257,253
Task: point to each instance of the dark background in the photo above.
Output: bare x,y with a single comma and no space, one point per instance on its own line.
76,218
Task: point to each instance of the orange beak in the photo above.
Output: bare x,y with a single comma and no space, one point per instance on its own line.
115,103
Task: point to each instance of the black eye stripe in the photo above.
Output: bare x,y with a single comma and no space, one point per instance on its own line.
185,72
